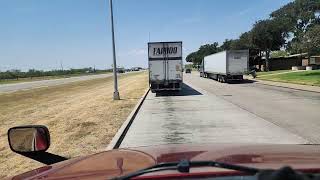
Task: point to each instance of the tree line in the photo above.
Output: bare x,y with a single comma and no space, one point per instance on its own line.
31,73
295,27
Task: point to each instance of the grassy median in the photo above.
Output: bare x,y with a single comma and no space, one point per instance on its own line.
263,73
304,77
81,116
13,81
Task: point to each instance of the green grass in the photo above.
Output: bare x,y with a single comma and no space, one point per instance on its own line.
305,77
12,81
272,72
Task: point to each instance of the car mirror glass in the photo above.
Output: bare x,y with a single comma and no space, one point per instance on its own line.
29,139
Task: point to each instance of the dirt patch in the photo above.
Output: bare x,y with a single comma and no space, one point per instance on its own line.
82,117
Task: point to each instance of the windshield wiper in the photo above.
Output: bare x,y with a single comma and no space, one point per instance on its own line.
184,167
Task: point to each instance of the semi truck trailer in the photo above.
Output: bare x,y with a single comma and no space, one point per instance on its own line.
165,66
226,65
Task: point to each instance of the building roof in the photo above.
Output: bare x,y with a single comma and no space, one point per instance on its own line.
297,55
293,55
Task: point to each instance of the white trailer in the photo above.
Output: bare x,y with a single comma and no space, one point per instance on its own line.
226,65
165,65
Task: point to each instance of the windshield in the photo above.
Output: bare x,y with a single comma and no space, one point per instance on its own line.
177,79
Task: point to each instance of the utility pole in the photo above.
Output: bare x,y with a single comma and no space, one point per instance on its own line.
61,65
116,95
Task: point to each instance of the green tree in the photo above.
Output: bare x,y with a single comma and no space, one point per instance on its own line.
296,18
192,57
280,53
204,50
244,42
188,66
286,15
226,45
267,35
311,41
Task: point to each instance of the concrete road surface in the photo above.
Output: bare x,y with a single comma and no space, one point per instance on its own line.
210,112
44,83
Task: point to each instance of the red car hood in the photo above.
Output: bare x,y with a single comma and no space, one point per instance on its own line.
122,161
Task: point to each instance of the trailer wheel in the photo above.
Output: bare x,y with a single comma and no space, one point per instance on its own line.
219,78
226,80
223,79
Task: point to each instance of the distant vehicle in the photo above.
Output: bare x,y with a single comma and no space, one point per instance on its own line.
225,66
121,70
136,69
188,70
165,65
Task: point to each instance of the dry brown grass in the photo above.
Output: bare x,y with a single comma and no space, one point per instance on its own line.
82,117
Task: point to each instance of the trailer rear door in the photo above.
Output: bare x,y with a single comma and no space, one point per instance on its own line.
174,70
157,70
238,62
165,61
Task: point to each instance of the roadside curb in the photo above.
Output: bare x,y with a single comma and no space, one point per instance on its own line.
118,138
289,86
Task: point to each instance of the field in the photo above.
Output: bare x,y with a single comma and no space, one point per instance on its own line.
304,77
81,116
263,73
11,81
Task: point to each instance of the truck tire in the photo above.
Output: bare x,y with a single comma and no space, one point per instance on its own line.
226,80
219,78
223,79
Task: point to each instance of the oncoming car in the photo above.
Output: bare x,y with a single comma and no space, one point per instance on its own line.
188,70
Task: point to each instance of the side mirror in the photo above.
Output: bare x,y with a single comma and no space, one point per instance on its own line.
27,139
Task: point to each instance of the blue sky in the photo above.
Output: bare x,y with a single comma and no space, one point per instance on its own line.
43,33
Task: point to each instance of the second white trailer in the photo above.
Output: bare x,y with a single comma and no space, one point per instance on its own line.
226,65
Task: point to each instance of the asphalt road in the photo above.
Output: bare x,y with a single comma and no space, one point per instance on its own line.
5,88
206,111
